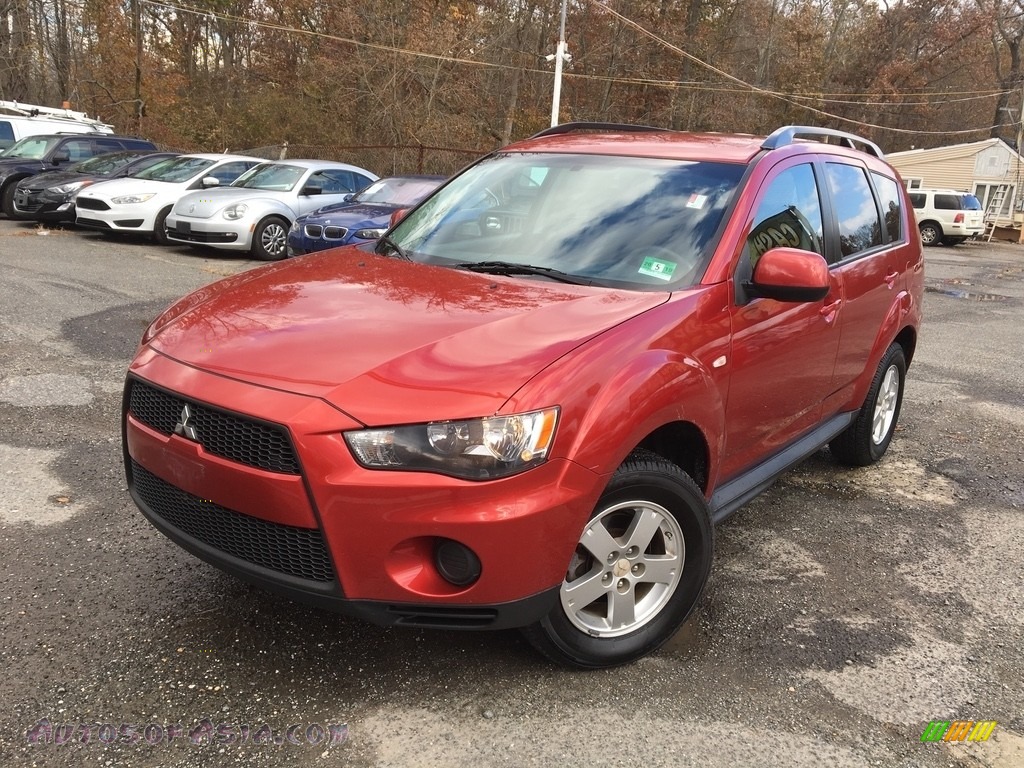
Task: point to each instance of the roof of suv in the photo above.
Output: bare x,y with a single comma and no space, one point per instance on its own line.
643,141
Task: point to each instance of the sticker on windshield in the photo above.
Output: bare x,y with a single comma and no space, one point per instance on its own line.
656,268
697,201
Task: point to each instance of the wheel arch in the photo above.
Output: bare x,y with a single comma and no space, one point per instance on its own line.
682,443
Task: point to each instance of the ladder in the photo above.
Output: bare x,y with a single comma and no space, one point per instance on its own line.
35,110
992,210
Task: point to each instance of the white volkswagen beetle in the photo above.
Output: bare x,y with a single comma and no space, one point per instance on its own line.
254,213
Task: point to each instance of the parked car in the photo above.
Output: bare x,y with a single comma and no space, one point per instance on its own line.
141,203
531,415
36,154
255,212
947,216
365,216
50,196
18,120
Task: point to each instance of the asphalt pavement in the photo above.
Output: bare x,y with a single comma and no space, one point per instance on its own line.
848,608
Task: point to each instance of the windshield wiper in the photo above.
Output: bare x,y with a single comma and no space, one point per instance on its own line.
392,246
512,268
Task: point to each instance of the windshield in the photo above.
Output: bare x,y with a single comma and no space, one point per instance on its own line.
175,169
104,165
272,177
635,222
32,147
397,191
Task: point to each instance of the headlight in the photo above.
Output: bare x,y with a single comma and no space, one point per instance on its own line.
479,449
369,234
236,211
296,226
130,199
72,186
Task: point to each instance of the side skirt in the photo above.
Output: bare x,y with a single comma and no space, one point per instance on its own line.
738,491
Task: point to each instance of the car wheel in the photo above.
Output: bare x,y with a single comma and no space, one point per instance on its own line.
269,239
930,233
867,438
640,566
7,200
160,227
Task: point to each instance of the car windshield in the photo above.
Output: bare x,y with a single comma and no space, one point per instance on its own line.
104,165
633,222
971,203
396,191
32,147
273,177
175,169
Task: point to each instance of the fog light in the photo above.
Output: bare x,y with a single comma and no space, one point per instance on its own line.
456,562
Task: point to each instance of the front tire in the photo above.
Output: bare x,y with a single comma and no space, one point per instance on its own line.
270,238
865,441
641,565
160,227
7,199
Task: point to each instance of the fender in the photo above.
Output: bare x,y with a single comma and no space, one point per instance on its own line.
903,313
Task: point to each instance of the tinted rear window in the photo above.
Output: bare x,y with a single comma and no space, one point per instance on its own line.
971,203
947,202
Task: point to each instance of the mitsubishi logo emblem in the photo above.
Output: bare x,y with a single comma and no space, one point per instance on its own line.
185,427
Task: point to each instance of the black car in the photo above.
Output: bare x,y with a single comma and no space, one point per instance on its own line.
50,196
35,154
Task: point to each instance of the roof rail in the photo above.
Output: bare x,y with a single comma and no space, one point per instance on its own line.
35,110
556,130
789,133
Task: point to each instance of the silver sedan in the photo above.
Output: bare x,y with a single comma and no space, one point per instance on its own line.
254,213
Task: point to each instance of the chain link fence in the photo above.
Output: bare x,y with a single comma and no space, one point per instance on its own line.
383,160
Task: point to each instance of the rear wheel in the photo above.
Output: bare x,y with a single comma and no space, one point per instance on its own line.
931,234
867,438
269,239
641,564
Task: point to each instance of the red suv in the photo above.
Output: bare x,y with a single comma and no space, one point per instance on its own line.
529,402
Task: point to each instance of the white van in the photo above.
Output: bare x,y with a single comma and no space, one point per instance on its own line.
20,120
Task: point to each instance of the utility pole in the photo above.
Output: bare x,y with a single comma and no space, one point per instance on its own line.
560,55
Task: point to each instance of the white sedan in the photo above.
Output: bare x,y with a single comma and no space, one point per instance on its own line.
255,212
140,203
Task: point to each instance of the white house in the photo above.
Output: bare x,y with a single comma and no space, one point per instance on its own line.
990,169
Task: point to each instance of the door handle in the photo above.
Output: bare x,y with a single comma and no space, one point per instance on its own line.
829,310
890,279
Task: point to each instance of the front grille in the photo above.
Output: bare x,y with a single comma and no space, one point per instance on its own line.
234,437
314,230
334,233
92,204
27,200
299,552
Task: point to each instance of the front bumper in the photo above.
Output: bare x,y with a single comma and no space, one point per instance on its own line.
332,533
217,232
37,204
101,214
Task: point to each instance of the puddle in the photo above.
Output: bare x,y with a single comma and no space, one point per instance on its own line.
959,293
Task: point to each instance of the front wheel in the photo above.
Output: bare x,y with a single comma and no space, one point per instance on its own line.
7,200
867,438
160,227
641,564
269,239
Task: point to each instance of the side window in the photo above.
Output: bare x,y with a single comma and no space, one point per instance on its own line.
789,214
859,227
917,199
947,202
228,172
107,145
334,182
892,207
6,134
78,149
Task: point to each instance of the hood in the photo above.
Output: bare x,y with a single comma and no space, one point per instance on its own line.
55,178
388,341
202,204
15,164
349,214
104,190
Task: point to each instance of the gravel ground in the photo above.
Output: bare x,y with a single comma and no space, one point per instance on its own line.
848,607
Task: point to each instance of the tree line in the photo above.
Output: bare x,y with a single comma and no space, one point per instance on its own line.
211,74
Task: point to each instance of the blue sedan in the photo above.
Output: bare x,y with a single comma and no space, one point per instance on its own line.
365,216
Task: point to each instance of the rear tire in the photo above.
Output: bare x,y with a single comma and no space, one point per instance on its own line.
931,233
640,567
867,438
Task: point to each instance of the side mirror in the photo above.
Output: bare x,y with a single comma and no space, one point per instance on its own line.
210,181
348,197
311,190
789,274
396,216
60,156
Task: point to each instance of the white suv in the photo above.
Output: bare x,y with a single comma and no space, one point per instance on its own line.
947,216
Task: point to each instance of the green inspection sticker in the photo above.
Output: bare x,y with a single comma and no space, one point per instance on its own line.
656,268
